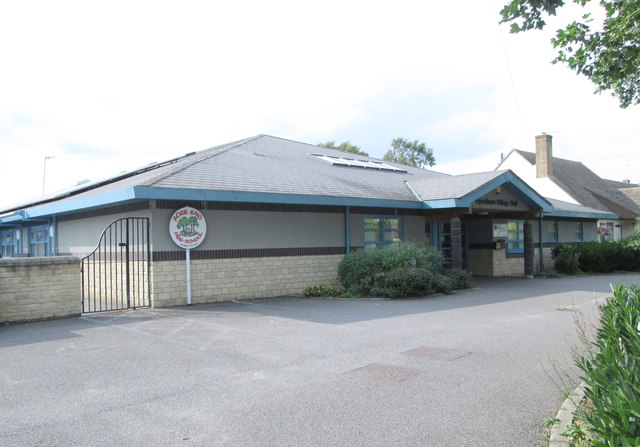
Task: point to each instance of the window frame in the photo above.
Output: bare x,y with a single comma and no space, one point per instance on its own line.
34,243
3,243
578,232
554,230
519,232
382,231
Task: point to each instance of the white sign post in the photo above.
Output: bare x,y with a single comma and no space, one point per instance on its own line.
187,229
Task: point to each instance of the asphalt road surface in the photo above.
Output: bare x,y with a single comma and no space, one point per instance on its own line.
470,369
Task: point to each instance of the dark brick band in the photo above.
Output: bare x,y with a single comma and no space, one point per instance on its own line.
158,256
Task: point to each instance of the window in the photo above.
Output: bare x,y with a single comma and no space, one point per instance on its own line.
357,163
39,241
605,231
515,236
551,231
7,243
576,231
380,231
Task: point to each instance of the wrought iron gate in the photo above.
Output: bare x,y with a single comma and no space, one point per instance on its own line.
117,274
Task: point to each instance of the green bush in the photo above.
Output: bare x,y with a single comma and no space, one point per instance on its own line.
357,270
604,257
566,259
403,282
461,278
321,291
443,283
612,373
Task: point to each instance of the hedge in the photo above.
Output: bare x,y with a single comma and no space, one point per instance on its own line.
598,257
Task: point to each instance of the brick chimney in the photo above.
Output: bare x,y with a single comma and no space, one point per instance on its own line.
544,154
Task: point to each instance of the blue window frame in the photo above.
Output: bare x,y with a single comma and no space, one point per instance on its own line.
382,230
578,232
551,231
7,243
515,236
39,241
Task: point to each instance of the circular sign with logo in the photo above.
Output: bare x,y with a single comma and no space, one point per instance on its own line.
187,227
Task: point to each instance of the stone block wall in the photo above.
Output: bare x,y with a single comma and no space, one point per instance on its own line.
39,288
481,262
229,279
488,262
549,265
506,266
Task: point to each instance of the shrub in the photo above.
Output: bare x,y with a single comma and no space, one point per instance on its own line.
357,270
603,257
461,278
318,291
566,259
612,373
443,284
403,282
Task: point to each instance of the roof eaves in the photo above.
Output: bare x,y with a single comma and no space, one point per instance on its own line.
507,177
81,203
582,214
158,193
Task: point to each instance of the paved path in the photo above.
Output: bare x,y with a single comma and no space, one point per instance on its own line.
458,370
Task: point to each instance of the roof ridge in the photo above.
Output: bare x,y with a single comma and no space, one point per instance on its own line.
204,154
450,176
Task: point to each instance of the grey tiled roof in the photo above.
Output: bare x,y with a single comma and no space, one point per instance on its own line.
452,187
559,205
587,187
267,164
633,193
263,164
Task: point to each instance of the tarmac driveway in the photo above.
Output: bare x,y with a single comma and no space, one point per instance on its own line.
459,370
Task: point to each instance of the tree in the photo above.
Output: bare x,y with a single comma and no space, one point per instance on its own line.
345,146
412,153
607,53
182,224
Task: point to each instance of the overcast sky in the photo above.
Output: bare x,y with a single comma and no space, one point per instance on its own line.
110,86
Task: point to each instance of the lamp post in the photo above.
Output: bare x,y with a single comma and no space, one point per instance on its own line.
44,172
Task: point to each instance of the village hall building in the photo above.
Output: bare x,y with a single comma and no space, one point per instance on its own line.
280,215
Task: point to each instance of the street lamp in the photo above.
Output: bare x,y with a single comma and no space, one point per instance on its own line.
44,172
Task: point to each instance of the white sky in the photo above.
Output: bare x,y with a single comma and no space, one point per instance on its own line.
110,86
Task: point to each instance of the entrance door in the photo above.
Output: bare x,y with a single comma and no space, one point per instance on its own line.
116,275
438,235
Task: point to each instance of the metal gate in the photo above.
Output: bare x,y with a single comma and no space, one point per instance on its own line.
117,274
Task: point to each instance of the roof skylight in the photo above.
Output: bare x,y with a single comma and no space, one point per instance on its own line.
353,163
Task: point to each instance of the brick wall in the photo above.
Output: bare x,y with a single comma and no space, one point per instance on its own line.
39,288
228,279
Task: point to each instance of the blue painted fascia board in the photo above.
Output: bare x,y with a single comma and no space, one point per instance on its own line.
582,215
82,203
531,195
151,193
444,203
18,216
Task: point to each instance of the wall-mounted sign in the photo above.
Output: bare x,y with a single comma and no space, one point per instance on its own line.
498,203
501,198
187,227
500,230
